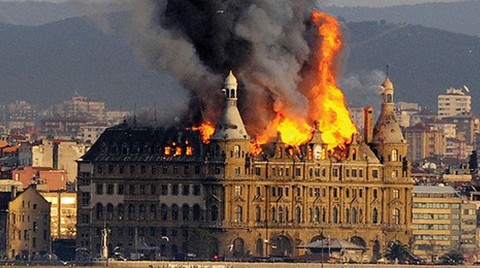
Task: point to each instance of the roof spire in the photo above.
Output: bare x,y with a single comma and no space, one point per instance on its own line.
387,67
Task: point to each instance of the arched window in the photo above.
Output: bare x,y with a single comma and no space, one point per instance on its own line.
186,212
238,214
236,151
131,212
347,216
109,212
232,93
258,214
153,212
99,211
175,212
394,155
324,215
214,213
196,212
317,214
274,214
354,154
335,215
354,216
298,214
279,152
375,216
360,216
310,214
396,216
389,98
163,212
121,212
287,215
142,211
280,214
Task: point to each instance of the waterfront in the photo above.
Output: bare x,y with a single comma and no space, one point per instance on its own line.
149,264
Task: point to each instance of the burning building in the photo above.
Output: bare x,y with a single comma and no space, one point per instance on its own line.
178,190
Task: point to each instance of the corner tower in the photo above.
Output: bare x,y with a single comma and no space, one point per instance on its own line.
230,143
388,141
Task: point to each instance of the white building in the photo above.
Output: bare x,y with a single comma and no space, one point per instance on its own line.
454,102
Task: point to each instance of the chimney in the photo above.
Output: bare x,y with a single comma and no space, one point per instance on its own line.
13,191
368,124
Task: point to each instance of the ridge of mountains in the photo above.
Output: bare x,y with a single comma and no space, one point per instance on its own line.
48,63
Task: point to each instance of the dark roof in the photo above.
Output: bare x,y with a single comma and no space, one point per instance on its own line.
127,143
332,243
5,197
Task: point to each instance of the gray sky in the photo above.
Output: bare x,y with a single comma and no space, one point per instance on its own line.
380,3
371,3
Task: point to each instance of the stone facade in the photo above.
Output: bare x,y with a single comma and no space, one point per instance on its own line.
165,190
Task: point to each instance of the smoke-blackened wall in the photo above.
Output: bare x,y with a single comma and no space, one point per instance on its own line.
199,41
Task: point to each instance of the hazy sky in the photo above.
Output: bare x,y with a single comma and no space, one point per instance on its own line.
372,3
381,3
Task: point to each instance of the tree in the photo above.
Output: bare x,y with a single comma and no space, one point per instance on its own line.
202,243
453,257
398,252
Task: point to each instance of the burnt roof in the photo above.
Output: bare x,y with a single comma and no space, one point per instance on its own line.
131,143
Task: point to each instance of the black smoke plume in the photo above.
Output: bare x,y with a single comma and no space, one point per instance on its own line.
199,41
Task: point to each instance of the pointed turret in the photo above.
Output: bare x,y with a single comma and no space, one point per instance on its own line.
388,141
230,126
387,129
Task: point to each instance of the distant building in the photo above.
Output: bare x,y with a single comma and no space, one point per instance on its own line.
454,102
90,132
404,112
424,141
53,179
21,114
57,154
63,214
82,107
439,223
28,226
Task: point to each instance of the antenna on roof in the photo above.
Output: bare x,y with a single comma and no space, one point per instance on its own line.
387,69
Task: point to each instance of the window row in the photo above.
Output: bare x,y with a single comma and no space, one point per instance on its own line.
144,189
148,169
152,212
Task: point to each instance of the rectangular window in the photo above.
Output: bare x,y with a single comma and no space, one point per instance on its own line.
375,173
280,191
154,170
142,189
360,173
100,169
85,199
164,169
196,190
100,188
120,189
396,193
335,172
153,189
174,189
298,172
335,192
164,189
347,173
375,193
132,169
238,190
175,170
274,191
143,169
121,169
257,171
110,188
197,170
258,191
185,190
131,189
354,173
111,169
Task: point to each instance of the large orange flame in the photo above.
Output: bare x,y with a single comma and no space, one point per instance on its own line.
206,131
326,101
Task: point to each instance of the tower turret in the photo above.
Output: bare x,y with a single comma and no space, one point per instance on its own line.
230,126
388,141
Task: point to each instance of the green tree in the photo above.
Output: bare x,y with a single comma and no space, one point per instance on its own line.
453,257
398,252
202,243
